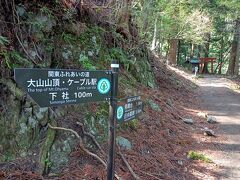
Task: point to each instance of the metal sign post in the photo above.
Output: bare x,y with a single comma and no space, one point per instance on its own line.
112,121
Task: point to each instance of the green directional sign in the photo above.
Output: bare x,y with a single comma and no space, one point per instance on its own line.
54,87
120,112
129,108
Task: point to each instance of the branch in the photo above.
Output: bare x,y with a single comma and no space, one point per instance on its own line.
82,146
128,165
37,53
15,14
65,129
91,137
25,49
81,143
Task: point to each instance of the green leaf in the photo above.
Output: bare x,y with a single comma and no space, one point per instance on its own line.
4,41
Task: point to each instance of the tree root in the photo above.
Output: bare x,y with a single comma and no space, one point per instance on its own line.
82,145
128,165
65,129
91,137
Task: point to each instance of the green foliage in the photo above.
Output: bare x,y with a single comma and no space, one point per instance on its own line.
7,157
92,36
48,163
200,76
198,156
86,63
119,54
162,20
46,11
69,38
103,110
46,147
197,26
6,58
48,46
3,41
232,8
133,125
14,59
3,52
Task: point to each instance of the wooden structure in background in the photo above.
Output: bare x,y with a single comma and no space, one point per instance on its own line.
206,60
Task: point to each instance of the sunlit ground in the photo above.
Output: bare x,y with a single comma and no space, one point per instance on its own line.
219,97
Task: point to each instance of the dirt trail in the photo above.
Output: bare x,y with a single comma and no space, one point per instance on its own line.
221,101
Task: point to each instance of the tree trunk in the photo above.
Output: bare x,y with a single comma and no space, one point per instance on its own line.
146,16
199,51
154,41
172,57
167,50
233,67
123,18
237,61
192,50
179,52
221,56
206,53
161,41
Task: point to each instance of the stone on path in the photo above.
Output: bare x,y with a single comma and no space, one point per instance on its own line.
208,132
202,114
180,162
188,121
154,106
211,120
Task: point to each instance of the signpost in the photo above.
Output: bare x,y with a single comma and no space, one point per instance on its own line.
129,108
63,87
112,122
55,87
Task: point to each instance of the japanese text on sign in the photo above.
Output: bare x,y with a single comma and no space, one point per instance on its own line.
129,108
58,87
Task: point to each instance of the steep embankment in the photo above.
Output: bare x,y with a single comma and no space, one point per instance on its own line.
67,35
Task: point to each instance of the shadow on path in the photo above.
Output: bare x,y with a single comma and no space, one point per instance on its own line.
220,100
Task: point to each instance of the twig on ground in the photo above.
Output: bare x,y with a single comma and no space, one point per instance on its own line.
127,164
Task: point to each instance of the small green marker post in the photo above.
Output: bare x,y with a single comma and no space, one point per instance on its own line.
112,121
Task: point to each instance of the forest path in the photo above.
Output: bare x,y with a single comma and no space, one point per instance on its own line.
223,102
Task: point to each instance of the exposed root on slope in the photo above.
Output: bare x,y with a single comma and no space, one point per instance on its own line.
95,156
